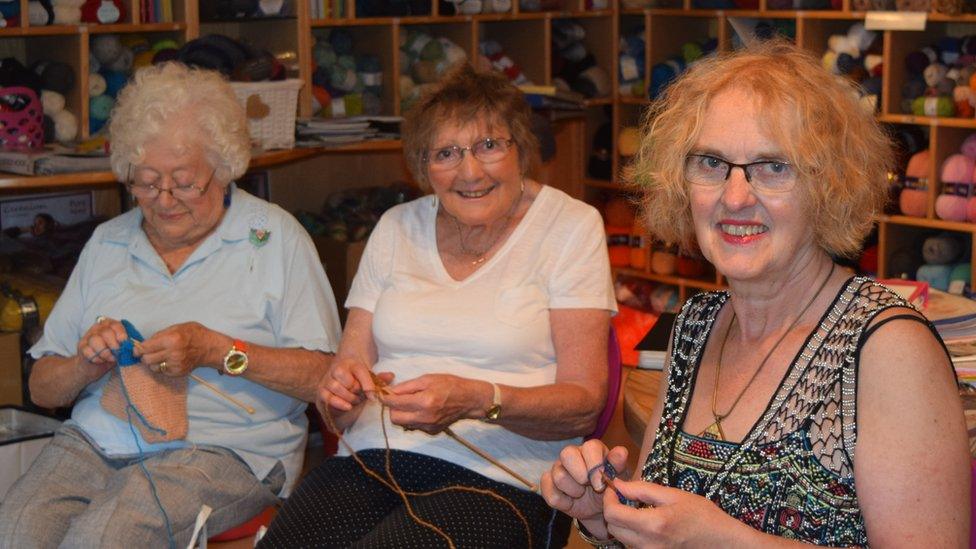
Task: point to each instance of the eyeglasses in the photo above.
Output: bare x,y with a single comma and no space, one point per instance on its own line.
184,187
487,151
774,176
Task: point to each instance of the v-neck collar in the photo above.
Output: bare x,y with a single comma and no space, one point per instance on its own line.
435,256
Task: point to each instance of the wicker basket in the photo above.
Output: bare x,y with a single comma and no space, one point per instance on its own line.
270,111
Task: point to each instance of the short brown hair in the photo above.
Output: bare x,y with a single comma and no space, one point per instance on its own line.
466,95
841,154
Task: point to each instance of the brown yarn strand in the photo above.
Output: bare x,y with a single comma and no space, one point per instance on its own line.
394,486
714,430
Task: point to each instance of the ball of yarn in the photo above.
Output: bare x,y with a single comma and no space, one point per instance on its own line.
968,146
55,76
941,249
100,107
40,13
165,44
143,59
664,262
106,48
957,168
52,101
114,82
65,126
914,201
952,207
166,54
904,262
933,106
628,141
961,271
598,79
937,276
96,84
971,209
122,63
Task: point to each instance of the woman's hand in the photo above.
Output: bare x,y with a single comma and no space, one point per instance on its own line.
432,402
178,349
670,518
95,347
344,389
574,484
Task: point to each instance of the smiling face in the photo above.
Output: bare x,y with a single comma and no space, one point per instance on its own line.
747,235
474,192
170,223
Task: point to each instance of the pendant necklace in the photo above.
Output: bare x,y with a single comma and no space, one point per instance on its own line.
714,431
482,256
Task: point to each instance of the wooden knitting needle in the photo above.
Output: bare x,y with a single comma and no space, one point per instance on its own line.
381,387
210,386
214,388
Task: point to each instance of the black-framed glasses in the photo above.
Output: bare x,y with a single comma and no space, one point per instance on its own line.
487,151
184,186
764,175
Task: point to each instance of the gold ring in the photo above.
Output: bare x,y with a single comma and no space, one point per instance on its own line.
162,366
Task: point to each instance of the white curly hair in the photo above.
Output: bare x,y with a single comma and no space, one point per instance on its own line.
201,98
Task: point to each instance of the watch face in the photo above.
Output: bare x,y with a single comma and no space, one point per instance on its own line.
493,412
235,362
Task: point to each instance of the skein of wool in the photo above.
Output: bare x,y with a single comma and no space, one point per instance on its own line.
913,199
957,179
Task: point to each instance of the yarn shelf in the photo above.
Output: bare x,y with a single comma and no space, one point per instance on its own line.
527,37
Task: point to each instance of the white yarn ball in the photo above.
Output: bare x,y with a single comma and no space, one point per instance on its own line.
65,126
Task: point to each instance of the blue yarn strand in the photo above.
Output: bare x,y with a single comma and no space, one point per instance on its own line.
134,335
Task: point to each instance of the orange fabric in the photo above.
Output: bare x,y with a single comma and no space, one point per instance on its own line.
161,399
631,325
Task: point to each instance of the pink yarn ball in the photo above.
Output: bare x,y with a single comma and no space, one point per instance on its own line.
971,210
952,207
958,168
968,147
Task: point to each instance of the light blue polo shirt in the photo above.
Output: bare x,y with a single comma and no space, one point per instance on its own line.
275,294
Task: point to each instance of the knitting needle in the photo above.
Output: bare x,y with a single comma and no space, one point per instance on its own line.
211,386
214,388
381,387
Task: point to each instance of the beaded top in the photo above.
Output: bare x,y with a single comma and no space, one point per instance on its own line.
793,473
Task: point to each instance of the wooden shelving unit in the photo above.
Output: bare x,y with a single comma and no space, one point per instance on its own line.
526,37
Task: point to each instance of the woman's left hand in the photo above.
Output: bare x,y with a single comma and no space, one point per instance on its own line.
671,517
177,350
432,402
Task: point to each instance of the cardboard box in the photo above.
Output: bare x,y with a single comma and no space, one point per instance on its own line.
341,260
11,380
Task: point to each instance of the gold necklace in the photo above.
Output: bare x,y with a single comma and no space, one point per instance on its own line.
481,256
714,430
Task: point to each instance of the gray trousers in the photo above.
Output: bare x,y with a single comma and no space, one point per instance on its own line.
74,496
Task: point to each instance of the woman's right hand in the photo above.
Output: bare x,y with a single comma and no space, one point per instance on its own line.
95,348
344,389
574,484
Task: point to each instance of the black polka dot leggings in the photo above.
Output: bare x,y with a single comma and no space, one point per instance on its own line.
339,505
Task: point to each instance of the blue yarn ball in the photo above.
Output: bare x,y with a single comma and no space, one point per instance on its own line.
936,275
114,82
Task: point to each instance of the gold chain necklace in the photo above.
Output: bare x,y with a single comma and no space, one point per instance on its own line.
714,430
481,256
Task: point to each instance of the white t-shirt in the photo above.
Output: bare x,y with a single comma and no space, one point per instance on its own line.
494,325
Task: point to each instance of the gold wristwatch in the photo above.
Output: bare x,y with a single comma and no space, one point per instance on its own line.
495,410
235,361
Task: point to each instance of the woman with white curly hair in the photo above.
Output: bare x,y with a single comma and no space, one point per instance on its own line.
239,325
